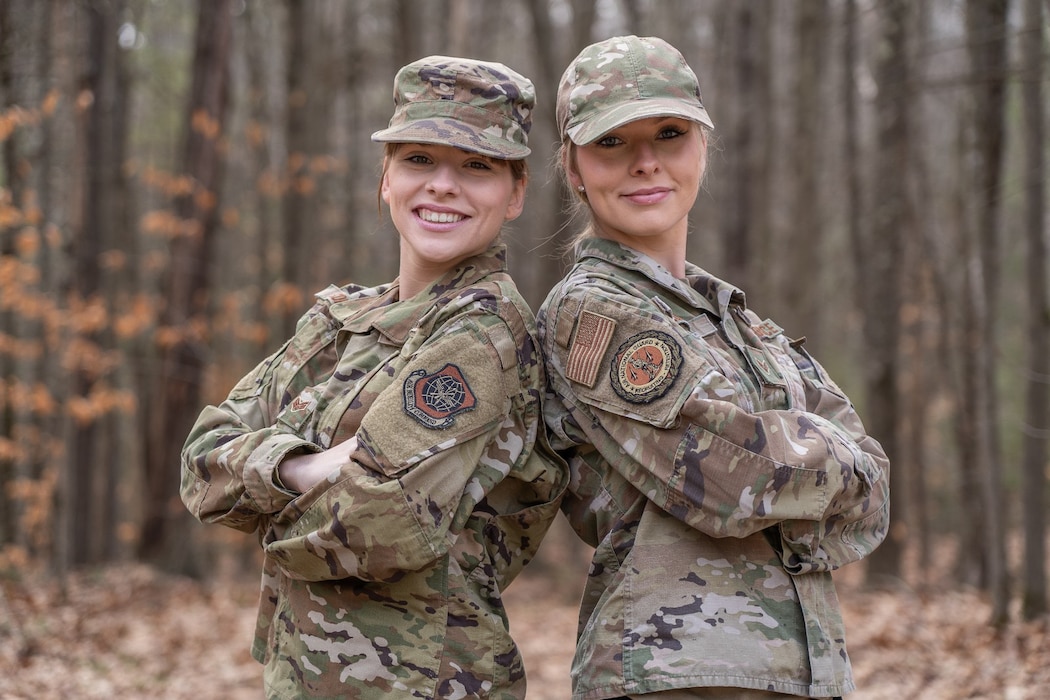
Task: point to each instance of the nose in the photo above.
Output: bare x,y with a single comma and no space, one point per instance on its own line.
443,180
644,160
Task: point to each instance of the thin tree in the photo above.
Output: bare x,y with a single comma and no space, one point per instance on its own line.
986,37
883,251
1037,395
89,502
807,239
176,394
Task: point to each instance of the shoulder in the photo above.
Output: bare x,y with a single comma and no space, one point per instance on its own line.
496,316
610,346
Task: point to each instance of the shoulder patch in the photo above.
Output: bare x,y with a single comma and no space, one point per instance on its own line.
593,333
435,399
645,366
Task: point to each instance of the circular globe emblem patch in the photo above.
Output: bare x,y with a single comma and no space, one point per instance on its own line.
436,399
645,366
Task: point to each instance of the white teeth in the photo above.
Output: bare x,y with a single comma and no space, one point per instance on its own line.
436,217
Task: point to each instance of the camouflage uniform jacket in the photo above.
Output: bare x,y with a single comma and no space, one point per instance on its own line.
386,579
720,475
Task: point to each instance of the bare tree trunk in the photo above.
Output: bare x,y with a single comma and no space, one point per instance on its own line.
9,421
737,173
409,32
986,31
187,285
299,222
1037,399
552,57
921,337
806,249
90,502
883,296
583,14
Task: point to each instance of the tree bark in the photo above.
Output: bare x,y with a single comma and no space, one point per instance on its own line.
182,358
986,31
883,298
1037,398
805,247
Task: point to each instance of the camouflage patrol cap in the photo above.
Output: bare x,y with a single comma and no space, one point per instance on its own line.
478,106
622,79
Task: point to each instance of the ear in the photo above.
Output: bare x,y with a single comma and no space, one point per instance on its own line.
568,164
517,200
384,183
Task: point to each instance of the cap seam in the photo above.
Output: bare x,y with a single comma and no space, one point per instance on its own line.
635,55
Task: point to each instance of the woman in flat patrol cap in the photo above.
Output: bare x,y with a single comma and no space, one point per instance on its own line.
391,455
716,469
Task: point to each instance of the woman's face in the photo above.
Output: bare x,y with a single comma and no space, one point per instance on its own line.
447,204
642,179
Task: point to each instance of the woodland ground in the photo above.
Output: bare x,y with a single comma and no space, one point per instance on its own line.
134,633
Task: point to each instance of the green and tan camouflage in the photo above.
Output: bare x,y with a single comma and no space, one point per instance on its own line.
622,79
385,581
479,106
720,474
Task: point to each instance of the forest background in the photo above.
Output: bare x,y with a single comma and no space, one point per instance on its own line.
177,178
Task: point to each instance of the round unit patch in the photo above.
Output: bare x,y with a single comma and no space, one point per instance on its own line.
436,399
645,366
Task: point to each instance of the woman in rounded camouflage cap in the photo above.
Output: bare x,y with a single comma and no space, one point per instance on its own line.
718,471
391,454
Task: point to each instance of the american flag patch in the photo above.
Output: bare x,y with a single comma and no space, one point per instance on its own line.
593,334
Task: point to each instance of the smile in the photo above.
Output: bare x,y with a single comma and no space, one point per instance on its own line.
439,217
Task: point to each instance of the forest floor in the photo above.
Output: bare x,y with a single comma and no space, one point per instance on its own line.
132,632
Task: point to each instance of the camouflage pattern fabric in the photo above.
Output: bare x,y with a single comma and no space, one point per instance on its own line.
478,106
720,474
386,579
623,79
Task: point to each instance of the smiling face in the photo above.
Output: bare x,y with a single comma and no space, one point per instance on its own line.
447,205
641,180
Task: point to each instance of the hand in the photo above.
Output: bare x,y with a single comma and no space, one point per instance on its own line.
302,472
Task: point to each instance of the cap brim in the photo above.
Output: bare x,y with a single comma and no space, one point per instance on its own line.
614,117
451,132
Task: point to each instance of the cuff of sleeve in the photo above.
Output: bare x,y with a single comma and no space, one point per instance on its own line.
260,471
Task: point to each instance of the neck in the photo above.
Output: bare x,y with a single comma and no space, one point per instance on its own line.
667,249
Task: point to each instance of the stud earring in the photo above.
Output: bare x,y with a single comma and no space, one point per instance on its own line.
579,188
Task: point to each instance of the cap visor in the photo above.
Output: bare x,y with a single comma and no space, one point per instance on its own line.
451,132
614,117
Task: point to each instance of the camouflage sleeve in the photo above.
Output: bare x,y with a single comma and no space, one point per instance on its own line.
852,528
433,445
232,451
663,414
824,484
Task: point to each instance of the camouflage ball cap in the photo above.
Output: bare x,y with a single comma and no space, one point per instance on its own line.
478,106
619,80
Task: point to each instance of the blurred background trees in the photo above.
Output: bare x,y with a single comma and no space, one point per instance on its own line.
177,178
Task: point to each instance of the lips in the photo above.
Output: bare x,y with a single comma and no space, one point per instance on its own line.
649,195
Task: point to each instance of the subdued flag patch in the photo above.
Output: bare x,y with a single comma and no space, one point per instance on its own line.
593,334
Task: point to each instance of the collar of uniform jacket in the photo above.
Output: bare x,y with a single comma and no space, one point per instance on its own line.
717,293
395,318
